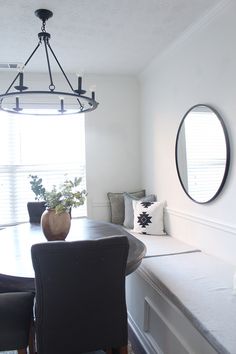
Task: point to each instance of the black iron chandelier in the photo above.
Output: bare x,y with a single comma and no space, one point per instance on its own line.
22,100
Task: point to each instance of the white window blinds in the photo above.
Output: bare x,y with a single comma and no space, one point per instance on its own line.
205,155
50,147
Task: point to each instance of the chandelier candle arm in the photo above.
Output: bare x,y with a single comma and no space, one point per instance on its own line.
21,86
21,79
17,108
62,110
80,91
14,80
80,101
79,83
17,103
62,104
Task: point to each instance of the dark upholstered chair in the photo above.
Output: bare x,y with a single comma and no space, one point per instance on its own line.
80,296
11,284
16,316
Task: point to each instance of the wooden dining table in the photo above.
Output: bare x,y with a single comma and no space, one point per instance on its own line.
16,270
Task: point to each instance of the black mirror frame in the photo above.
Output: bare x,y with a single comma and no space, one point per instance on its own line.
227,163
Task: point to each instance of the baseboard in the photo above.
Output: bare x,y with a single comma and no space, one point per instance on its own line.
135,343
139,343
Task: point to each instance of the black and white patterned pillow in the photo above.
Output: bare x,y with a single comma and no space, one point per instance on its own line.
148,217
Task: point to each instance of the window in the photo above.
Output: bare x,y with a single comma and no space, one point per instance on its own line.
49,146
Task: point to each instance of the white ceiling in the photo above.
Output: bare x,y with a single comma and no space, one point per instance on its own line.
97,36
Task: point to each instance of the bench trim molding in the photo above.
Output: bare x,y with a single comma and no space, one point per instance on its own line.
148,306
200,220
212,343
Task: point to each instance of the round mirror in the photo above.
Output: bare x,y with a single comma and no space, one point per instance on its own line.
202,153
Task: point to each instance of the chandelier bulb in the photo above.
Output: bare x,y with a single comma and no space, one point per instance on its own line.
21,68
92,88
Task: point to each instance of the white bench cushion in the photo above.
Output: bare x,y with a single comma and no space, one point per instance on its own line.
163,245
201,286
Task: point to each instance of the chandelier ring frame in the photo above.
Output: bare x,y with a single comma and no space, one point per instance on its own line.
82,102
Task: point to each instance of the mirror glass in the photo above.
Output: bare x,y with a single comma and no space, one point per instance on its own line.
202,153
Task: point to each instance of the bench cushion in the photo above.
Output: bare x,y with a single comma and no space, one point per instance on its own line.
162,245
201,286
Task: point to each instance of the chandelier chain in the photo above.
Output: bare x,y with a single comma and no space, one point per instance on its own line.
43,29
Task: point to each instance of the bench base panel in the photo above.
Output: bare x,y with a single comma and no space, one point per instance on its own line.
158,324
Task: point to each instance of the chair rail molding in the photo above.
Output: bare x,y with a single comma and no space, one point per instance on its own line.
98,210
208,235
201,220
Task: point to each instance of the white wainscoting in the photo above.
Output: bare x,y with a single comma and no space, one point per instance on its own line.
99,210
159,325
210,236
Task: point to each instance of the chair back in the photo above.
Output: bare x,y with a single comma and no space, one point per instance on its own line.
16,317
80,295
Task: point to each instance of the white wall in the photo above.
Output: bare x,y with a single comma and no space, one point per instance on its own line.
112,142
199,68
112,135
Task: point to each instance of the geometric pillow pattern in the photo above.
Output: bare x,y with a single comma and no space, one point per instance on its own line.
129,211
148,217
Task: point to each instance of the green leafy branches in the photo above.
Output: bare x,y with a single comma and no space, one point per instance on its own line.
37,187
64,197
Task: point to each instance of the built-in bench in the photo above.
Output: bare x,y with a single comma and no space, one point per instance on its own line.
180,300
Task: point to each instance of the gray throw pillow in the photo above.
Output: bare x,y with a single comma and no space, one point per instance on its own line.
129,210
117,205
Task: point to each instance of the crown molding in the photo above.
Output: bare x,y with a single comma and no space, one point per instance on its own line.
197,26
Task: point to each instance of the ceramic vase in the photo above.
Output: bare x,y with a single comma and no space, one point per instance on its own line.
55,226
